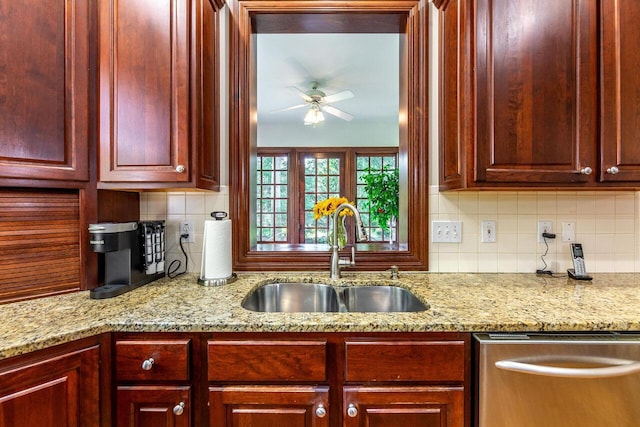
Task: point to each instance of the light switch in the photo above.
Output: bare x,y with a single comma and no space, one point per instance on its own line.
488,231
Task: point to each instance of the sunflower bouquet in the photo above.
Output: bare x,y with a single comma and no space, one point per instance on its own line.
327,208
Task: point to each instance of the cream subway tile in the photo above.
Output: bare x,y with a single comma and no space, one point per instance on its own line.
488,203
586,203
488,263
507,263
507,203
625,203
195,203
605,224
567,203
507,224
216,202
527,224
156,202
434,258
507,243
448,203
468,203
585,224
176,204
605,203
624,244
470,243
434,189
527,264
605,244
448,263
468,263
546,203
527,243
527,203
625,224
624,263
434,205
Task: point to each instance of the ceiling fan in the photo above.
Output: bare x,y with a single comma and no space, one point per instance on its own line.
318,103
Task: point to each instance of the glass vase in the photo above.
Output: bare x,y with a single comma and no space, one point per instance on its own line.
342,232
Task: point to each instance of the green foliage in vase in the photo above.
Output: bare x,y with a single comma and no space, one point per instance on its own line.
382,188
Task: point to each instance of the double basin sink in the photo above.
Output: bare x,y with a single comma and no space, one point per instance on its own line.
323,298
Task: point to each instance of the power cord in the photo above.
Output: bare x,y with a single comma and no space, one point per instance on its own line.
176,263
544,239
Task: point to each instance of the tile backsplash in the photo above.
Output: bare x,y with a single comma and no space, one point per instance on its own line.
607,223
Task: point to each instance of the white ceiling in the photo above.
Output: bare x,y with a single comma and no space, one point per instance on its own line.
366,64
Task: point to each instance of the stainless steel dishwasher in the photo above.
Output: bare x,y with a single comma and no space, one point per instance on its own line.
548,380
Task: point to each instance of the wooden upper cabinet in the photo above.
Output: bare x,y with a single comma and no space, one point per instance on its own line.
620,97
158,119
44,91
519,93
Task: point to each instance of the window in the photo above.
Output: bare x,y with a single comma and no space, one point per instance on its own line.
285,206
272,198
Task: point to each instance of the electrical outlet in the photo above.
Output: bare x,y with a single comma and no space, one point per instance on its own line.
488,231
186,227
544,227
446,231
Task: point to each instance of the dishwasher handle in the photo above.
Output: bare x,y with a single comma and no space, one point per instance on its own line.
616,368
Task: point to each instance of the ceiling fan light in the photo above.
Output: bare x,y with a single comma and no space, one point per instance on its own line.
313,117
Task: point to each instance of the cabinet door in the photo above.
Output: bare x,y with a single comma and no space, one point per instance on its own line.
44,90
152,406
144,90
620,106
403,406
269,406
536,110
61,391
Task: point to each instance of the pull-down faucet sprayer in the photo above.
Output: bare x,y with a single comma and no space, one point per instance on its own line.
336,262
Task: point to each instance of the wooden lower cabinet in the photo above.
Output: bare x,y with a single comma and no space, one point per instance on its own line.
431,406
268,406
60,390
349,380
154,406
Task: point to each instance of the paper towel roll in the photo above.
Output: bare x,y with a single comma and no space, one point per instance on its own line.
216,250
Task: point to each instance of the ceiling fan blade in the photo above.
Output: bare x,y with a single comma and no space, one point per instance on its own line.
301,94
293,107
338,113
345,94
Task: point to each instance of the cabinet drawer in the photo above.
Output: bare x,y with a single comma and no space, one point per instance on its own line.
267,360
404,361
170,360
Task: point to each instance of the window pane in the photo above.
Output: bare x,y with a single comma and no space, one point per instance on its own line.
322,167
309,166
322,186
310,183
334,184
271,169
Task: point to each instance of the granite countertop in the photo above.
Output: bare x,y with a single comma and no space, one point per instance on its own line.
457,302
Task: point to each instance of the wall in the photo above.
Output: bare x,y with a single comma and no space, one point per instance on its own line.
607,222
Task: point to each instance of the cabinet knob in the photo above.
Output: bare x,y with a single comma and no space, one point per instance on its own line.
148,364
586,171
352,411
180,169
178,409
321,412
613,170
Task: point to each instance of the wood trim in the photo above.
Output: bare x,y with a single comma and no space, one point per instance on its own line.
413,131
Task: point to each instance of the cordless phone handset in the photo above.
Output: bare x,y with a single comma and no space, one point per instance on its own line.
578,271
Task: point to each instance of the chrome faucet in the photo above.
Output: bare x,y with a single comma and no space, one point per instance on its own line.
336,261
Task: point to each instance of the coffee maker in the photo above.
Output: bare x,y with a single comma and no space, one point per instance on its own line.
131,254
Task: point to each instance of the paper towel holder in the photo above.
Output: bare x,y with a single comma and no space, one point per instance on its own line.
218,282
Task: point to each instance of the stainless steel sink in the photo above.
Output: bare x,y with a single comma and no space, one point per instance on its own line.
319,298
381,299
292,298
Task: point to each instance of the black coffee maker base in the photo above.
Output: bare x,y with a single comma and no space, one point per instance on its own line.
113,290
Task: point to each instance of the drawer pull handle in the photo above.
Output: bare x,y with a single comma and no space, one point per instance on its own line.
321,412
352,411
148,364
179,409
180,169
613,170
586,171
